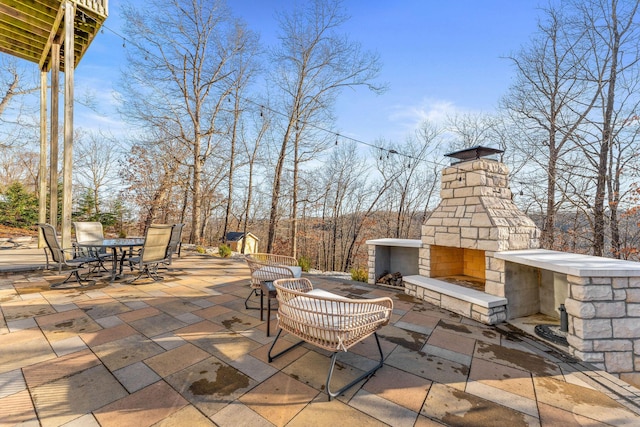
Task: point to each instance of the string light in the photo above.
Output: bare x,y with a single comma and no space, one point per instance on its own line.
271,110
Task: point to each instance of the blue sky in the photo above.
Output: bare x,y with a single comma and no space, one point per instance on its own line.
439,57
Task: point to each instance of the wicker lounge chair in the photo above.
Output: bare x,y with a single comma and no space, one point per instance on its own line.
329,321
264,275
66,257
259,260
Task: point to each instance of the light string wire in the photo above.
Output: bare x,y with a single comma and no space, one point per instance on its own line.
263,108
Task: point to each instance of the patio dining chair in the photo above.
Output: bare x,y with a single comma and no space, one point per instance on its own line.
87,231
175,242
66,258
328,321
155,251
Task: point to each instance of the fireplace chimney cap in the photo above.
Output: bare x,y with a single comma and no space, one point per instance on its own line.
473,153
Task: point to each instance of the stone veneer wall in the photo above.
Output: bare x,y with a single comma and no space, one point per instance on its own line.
476,212
604,323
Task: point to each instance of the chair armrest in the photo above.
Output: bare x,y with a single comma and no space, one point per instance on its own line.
298,284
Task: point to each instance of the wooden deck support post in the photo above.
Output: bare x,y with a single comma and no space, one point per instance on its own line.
42,171
53,157
69,67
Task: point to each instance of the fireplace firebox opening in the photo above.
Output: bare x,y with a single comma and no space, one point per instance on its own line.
461,266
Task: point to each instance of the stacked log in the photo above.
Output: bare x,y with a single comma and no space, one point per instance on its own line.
391,279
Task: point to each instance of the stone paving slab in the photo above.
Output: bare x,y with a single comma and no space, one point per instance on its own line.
186,352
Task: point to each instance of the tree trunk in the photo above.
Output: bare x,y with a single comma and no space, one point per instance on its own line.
294,200
601,184
275,196
232,155
613,190
547,236
196,213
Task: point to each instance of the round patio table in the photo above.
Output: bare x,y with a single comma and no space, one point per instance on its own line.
114,244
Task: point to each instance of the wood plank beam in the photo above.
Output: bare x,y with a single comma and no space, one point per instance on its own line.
52,35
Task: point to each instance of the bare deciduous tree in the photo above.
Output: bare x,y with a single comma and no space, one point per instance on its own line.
549,102
314,63
179,78
614,35
95,166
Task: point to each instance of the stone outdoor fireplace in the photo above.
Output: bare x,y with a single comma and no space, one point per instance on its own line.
475,218
478,256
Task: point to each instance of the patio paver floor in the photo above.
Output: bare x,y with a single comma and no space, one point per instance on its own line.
187,352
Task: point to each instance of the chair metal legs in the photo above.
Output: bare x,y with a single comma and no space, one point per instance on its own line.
332,365
357,380
74,273
275,356
254,292
151,271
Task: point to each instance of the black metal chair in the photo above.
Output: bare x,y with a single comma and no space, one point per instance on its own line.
66,257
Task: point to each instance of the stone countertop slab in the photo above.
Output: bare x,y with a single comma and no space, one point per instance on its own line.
571,263
406,243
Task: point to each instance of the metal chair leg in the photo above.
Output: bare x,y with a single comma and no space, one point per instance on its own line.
74,273
275,356
357,380
254,292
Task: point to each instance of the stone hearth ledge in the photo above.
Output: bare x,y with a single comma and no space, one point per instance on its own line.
480,306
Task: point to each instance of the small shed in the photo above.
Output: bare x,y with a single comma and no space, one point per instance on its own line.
235,239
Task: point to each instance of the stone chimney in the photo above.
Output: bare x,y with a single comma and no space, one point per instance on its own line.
475,218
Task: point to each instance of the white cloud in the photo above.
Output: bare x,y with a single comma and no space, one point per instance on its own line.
411,117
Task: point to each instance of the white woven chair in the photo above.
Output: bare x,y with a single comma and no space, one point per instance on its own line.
258,261
329,321
264,275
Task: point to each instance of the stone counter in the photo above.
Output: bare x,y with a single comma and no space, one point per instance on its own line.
602,303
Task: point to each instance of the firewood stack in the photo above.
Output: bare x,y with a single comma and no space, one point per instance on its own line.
391,279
